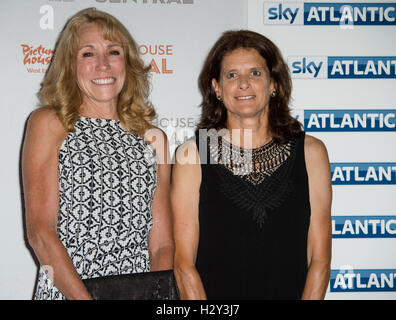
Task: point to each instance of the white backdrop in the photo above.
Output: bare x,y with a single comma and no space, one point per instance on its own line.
364,259
175,36
181,32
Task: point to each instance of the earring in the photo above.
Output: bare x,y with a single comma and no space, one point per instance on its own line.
273,93
219,98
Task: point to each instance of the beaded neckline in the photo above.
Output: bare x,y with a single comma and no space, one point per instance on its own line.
252,165
256,185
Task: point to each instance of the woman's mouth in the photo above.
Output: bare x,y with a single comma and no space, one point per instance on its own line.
109,80
245,97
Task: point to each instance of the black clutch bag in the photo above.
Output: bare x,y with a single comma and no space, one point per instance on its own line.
156,285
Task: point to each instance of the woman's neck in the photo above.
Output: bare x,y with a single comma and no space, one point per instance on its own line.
102,111
248,133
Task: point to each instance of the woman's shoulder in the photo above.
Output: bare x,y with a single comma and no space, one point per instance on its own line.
157,140
187,152
45,122
155,137
153,132
46,118
313,144
315,150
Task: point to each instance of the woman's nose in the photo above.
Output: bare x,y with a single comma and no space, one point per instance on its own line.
103,62
244,81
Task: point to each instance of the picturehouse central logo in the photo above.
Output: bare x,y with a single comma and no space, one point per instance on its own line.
36,58
158,55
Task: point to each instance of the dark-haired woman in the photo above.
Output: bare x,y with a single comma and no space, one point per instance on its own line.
251,195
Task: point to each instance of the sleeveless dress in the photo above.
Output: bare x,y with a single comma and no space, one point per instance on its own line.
107,180
254,218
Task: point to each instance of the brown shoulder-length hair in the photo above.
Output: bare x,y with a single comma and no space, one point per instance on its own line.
282,125
60,91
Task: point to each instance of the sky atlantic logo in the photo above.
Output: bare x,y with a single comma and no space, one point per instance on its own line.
363,173
363,226
349,120
308,67
362,280
283,13
342,67
341,14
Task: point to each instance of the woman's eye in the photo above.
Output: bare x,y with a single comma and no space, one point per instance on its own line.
87,54
115,52
231,75
256,73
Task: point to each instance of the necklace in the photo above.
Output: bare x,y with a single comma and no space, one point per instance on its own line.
253,165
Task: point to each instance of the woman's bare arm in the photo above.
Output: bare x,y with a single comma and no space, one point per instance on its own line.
44,136
319,234
161,243
186,181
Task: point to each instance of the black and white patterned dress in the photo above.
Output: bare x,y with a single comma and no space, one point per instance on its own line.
107,180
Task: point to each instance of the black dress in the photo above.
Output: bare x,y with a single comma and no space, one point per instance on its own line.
254,223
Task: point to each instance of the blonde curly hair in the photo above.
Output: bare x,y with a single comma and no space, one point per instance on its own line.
59,89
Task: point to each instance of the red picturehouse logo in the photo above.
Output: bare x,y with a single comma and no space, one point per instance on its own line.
160,54
36,59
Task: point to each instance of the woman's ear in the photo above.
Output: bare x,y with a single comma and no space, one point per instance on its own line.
216,88
272,86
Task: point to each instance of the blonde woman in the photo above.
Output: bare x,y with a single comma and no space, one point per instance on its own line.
96,181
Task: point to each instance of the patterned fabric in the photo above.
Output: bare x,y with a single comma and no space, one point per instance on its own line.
107,180
254,243
254,180
252,165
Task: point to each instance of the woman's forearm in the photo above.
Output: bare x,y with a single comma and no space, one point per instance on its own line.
189,283
53,255
317,281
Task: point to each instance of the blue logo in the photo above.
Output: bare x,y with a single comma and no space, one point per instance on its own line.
361,280
335,14
342,67
330,14
282,13
363,226
308,67
364,173
349,120
361,67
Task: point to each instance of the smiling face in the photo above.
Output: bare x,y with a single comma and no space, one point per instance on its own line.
100,67
244,84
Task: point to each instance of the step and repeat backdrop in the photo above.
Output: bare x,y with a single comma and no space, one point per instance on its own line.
342,58
174,36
